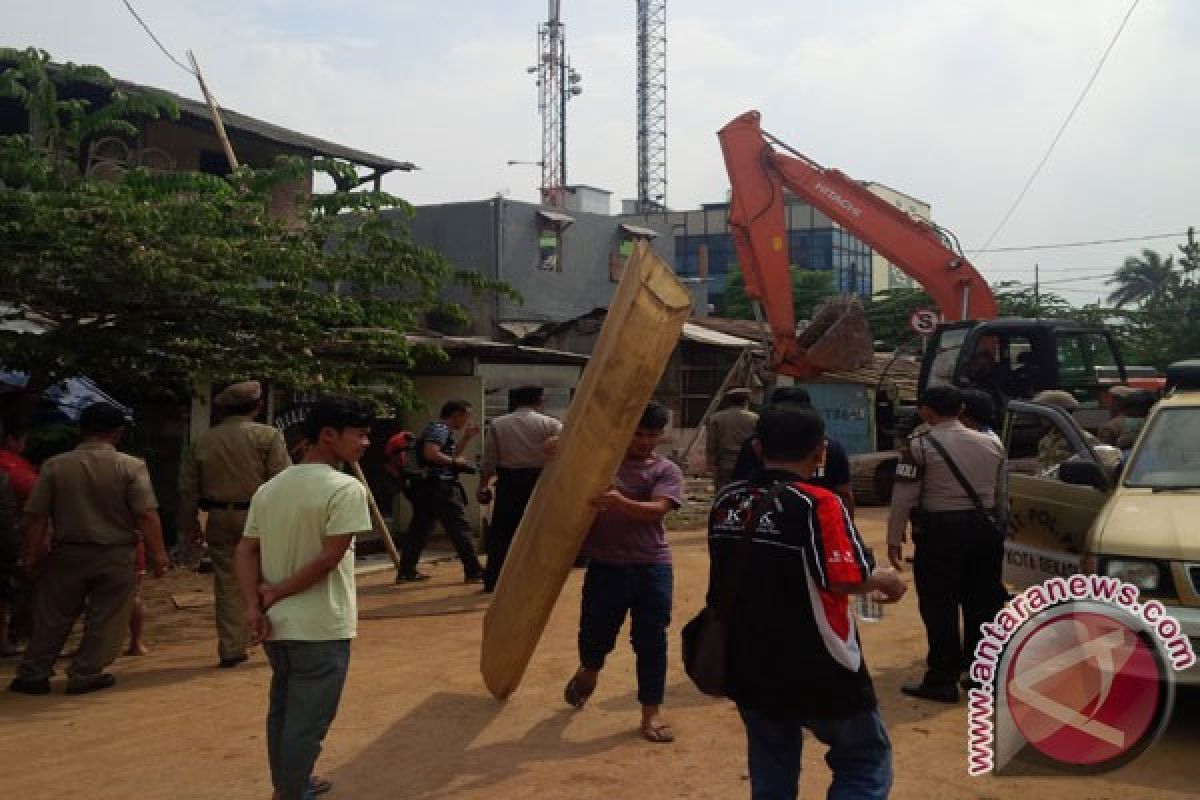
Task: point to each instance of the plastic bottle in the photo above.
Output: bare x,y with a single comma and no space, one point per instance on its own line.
868,607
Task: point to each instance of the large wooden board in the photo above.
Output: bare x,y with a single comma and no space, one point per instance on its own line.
640,331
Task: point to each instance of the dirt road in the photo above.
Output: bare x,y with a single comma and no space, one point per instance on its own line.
416,722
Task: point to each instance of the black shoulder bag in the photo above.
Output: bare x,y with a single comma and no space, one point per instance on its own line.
706,636
967,487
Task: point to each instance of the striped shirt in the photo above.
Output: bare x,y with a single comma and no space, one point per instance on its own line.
794,649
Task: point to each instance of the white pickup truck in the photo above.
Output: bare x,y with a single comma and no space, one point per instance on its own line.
1139,522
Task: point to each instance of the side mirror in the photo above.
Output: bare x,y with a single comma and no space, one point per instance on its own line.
1110,457
1083,473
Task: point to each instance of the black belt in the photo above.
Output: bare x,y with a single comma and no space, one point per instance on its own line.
518,472
213,505
966,512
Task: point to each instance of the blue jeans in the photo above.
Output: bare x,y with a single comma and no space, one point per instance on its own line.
860,755
306,685
644,592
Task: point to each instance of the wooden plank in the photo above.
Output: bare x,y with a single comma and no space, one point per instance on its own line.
640,332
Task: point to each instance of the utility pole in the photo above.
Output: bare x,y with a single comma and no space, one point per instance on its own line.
1037,298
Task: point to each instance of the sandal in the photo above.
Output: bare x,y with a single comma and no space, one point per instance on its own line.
318,785
657,732
574,693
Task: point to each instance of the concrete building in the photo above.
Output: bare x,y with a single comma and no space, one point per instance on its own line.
885,274
704,247
564,263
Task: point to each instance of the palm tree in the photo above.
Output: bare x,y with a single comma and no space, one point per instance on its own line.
1141,279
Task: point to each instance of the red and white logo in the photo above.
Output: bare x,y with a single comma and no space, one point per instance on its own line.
1085,689
1074,674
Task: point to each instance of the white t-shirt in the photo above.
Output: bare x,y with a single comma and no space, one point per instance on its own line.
291,515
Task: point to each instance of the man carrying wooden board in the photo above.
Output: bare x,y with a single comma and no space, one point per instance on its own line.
629,573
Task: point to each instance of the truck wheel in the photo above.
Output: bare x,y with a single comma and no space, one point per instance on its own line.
885,477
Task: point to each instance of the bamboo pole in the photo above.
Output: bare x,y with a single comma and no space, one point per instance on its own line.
215,112
377,520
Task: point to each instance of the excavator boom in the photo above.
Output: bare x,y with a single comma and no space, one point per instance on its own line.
758,175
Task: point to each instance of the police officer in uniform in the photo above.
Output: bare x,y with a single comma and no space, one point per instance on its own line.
100,501
221,472
959,555
514,452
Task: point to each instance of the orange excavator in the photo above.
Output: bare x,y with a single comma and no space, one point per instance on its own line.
1009,357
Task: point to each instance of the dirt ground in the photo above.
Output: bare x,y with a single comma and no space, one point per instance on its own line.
416,722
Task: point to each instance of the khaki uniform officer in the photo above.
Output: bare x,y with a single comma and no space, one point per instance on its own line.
222,471
1053,449
725,432
100,500
959,556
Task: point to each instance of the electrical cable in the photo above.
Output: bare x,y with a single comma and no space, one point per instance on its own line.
166,52
1087,243
1062,128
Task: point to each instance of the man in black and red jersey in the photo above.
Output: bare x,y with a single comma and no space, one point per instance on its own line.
785,559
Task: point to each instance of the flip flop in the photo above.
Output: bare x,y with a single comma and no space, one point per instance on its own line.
318,785
657,732
574,694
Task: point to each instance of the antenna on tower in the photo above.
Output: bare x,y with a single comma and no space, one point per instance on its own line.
652,105
557,82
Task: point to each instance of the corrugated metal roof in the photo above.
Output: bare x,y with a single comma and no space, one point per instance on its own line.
697,333
743,328
485,347
197,111
637,230
556,217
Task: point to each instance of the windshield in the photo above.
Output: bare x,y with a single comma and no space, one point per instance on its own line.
1168,456
941,372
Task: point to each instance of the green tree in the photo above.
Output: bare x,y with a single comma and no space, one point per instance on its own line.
809,289
159,280
1148,278
1014,299
889,312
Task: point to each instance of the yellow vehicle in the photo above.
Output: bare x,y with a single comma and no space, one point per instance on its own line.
1137,520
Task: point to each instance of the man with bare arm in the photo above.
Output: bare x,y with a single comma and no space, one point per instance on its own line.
295,568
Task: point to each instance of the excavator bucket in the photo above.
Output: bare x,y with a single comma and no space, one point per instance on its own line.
839,337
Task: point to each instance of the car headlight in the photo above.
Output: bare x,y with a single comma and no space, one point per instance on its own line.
1143,574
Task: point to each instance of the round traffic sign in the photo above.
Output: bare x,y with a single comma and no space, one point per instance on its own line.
923,321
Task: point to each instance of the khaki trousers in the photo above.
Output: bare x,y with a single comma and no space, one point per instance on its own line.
97,581
223,532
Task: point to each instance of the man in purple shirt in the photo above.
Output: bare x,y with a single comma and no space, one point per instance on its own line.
629,572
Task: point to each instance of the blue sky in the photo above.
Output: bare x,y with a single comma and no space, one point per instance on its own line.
953,101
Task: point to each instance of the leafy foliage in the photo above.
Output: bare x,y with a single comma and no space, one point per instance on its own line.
809,289
889,312
1149,278
159,280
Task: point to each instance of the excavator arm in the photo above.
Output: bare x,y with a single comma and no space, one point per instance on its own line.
758,174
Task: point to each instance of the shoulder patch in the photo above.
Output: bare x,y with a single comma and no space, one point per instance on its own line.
907,471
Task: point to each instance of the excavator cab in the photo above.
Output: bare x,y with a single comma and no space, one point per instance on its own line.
1017,358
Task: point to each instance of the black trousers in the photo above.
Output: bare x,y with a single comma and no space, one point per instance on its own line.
513,489
957,567
436,501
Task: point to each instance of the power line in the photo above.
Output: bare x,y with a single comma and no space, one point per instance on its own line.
1087,243
166,52
1062,128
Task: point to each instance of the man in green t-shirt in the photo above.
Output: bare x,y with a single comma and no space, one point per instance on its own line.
295,567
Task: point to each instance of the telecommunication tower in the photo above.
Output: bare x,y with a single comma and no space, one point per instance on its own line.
652,105
557,82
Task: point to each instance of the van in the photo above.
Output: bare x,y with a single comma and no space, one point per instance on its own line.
1133,515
